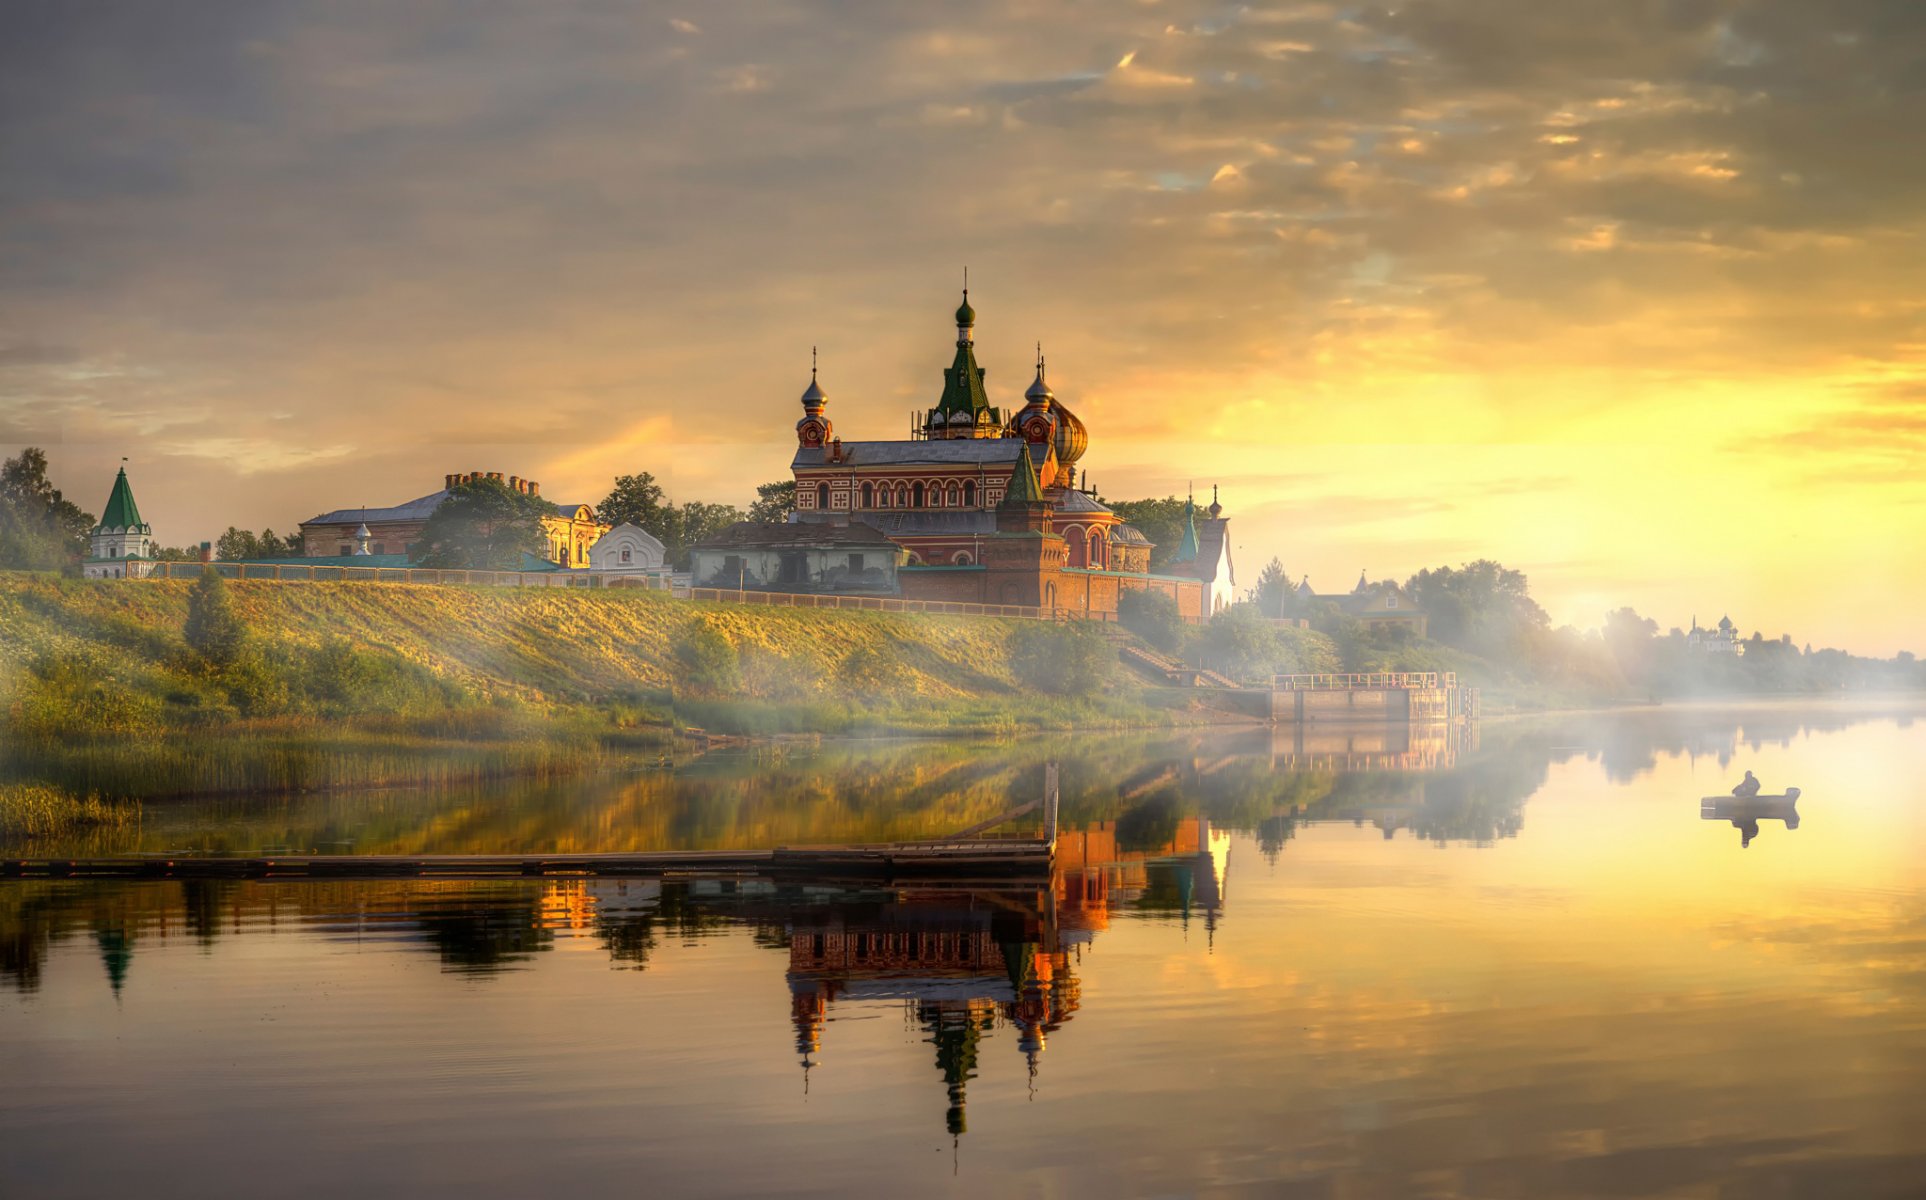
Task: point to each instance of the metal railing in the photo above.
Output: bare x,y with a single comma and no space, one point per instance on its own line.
1373,680
958,608
331,573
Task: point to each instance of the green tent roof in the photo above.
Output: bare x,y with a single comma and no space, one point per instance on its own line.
1024,488
1187,547
963,385
121,511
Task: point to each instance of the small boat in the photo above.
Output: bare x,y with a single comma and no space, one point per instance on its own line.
1780,807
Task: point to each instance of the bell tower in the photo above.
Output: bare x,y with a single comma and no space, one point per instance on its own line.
813,431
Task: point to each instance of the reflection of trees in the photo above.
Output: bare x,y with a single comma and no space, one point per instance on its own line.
484,933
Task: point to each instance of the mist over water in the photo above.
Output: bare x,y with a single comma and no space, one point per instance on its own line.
1515,962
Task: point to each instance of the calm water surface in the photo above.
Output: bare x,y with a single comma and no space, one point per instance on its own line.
1515,964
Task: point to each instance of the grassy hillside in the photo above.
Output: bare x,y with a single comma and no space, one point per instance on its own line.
536,644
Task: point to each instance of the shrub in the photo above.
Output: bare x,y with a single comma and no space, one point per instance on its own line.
68,694
214,629
1153,617
1069,659
708,660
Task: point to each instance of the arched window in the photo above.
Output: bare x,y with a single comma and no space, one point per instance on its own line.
869,496
916,495
969,493
962,558
953,495
902,496
1096,549
822,495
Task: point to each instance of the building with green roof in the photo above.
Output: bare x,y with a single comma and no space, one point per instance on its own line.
121,545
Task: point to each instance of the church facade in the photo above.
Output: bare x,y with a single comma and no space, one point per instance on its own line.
986,504
120,545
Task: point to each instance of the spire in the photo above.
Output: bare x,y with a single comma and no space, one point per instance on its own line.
1023,488
964,405
1362,583
965,315
813,397
121,511
1039,392
1187,545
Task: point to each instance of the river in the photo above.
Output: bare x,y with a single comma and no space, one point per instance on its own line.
1512,961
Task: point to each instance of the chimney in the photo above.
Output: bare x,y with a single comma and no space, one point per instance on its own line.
515,484
207,552
448,481
534,489
495,475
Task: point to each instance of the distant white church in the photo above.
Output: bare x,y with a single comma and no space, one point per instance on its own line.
1723,640
121,546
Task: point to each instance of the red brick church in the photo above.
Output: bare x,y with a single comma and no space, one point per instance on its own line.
985,506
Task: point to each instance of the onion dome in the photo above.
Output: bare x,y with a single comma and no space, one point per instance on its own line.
965,315
1215,510
813,397
1040,392
1072,438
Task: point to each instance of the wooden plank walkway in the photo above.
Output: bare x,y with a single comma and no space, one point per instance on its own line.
998,858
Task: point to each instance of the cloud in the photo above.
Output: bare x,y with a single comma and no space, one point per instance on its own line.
1470,221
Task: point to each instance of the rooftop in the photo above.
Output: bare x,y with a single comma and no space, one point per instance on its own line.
972,451
752,534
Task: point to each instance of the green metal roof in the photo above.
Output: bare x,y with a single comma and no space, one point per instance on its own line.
963,385
1024,488
121,511
1187,547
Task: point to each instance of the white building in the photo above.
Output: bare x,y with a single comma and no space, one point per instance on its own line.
121,546
626,549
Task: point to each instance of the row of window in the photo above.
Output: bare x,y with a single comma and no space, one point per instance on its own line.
914,495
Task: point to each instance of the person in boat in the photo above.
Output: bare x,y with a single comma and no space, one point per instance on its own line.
1748,787
1748,828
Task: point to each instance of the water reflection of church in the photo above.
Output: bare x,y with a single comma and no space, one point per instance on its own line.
970,964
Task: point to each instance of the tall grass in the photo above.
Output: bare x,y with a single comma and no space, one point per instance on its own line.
36,810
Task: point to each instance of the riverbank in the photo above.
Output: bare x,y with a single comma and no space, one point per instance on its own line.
355,685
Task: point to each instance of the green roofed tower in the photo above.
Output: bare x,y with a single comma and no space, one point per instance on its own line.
964,409
121,545
121,511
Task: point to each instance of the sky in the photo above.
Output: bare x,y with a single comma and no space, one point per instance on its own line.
1622,295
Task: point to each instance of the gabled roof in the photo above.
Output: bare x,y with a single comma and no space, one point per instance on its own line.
943,451
121,511
418,509
793,533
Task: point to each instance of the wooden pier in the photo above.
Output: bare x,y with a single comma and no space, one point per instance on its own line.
989,858
1408,696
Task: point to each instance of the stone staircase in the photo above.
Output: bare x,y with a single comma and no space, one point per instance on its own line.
1167,670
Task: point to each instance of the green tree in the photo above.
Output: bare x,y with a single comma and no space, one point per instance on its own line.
240,543
1073,658
484,525
1272,592
635,500
640,501
40,529
690,523
214,630
708,660
1484,607
1162,521
774,501
1152,616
